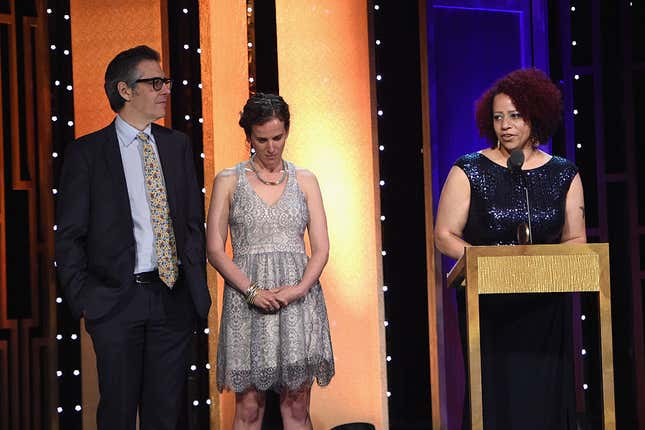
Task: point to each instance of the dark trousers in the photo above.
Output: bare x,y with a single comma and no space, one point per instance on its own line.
142,358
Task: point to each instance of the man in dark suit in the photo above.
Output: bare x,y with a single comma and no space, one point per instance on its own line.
130,247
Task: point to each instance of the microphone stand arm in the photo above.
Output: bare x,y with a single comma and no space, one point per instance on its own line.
528,213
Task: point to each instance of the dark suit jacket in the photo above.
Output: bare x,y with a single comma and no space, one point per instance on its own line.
95,245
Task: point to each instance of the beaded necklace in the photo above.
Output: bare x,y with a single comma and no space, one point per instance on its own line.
264,181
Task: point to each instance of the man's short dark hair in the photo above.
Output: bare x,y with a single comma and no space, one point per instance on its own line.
123,68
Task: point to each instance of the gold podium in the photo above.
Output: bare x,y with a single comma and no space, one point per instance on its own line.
563,268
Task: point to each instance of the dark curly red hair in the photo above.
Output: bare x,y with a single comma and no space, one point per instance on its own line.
535,97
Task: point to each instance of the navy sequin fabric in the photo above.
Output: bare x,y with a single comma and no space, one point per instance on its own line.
497,200
527,358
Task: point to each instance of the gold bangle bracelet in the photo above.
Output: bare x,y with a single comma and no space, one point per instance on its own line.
252,298
251,292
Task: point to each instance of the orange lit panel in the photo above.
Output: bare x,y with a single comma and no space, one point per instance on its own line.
225,88
100,30
324,72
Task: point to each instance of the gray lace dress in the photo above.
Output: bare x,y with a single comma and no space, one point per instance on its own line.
279,350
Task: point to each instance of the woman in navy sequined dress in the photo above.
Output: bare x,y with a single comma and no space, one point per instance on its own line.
526,342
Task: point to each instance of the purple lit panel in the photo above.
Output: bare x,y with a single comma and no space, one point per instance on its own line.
471,43
472,48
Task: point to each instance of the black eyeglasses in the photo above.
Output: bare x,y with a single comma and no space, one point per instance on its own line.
156,82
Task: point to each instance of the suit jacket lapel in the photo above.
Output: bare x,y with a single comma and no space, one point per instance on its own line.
168,163
115,166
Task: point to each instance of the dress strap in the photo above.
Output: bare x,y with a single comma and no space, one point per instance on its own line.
241,173
291,178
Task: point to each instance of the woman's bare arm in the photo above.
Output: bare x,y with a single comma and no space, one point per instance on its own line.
216,234
318,238
574,230
452,214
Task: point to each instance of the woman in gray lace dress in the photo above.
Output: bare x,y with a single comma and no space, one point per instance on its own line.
274,331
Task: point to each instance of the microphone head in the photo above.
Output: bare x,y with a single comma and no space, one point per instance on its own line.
516,159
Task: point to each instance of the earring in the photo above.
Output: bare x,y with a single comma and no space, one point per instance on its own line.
498,144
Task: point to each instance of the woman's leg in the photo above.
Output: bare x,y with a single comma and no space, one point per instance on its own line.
249,410
294,407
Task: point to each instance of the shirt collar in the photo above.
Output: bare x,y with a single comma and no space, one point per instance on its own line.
128,133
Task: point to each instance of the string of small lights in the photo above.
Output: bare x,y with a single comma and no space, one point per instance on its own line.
250,46
250,35
186,116
574,112
396,79
584,147
68,373
376,8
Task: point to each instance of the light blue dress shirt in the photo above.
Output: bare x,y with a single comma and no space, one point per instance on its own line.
132,157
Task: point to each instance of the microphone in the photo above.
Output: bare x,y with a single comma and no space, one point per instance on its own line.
514,164
516,160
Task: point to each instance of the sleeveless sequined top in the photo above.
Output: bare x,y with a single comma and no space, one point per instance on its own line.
497,200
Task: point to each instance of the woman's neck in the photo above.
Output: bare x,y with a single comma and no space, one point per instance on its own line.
529,152
275,167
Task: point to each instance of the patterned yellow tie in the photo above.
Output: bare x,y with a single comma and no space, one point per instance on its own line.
160,214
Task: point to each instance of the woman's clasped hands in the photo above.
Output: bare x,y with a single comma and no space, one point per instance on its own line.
277,298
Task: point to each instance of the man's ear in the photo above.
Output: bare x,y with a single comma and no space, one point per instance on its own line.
124,90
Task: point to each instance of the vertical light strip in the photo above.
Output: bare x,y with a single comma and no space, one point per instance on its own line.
225,88
250,36
324,70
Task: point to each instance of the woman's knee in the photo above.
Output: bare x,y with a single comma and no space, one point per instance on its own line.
295,405
249,406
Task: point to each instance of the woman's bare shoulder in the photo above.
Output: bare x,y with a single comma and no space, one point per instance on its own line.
226,178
